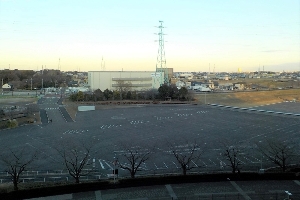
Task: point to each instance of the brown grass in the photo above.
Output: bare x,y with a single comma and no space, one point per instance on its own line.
247,99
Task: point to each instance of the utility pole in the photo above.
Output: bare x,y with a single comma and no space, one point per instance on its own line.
161,58
30,83
102,64
58,64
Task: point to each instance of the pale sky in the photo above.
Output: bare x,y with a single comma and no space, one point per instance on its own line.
201,35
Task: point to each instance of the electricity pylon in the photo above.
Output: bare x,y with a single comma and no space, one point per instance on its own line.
161,57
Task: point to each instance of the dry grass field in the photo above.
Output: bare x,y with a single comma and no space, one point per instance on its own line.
248,99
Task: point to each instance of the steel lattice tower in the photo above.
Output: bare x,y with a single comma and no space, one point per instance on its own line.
161,58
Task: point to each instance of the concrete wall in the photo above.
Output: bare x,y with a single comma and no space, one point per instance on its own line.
138,80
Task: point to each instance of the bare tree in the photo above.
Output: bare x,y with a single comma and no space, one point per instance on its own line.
231,154
187,155
16,162
75,158
135,156
278,152
123,87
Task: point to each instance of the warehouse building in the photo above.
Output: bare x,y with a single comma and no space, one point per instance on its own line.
131,80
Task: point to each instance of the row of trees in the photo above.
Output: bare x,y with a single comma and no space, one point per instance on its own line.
75,157
25,79
164,92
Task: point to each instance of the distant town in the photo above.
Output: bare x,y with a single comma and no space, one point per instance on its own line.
199,81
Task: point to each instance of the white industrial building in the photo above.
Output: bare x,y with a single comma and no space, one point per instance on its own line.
135,80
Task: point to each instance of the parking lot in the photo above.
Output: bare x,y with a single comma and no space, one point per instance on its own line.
156,127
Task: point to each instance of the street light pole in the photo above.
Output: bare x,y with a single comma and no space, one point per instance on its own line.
31,84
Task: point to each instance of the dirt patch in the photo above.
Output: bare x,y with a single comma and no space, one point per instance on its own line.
20,115
19,101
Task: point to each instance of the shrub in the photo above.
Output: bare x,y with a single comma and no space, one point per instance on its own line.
11,123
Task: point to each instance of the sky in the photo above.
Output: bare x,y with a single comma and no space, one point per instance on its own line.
116,35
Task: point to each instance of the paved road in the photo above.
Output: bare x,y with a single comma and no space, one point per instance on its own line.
230,190
52,110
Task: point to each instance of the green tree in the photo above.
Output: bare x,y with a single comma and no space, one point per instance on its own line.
80,96
163,92
116,95
183,93
98,95
173,91
73,97
128,95
108,94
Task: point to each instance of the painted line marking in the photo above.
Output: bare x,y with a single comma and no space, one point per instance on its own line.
175,165
171,192
108,164
204,163
194,163
297,182
102,166
165,165
212,162
240,190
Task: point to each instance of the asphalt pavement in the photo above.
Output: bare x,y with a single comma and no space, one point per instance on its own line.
229,190
110,131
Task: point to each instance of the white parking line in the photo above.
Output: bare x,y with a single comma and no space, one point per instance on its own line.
212,161
175,165
102,166
204,163
171,192
165,165
240,190
108,165
248,159
241,161
194,163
